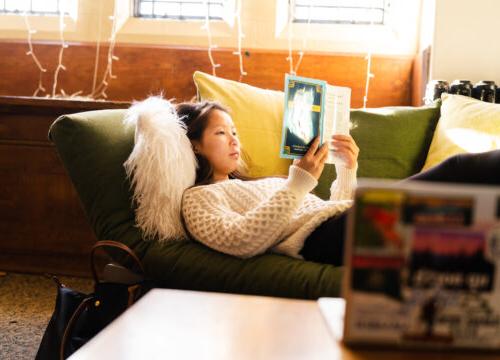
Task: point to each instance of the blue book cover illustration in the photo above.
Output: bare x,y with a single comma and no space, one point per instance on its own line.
304,103
312,108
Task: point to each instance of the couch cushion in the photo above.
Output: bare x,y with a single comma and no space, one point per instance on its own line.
191,265
257,114
466,125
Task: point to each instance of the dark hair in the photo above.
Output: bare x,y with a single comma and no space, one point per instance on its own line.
196,116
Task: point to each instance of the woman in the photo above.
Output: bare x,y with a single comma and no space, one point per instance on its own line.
232,214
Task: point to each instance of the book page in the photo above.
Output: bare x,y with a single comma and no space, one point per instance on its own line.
337,116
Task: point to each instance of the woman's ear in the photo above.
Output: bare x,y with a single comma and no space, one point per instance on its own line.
196,146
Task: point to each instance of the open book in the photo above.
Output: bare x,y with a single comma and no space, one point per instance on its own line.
313,108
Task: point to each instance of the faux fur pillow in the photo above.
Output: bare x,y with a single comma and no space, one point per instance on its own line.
161,166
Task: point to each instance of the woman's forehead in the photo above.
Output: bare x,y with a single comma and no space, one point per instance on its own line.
220,118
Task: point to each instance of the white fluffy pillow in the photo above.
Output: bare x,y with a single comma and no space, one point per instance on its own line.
161,166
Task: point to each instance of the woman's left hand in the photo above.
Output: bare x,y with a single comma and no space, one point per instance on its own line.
346,148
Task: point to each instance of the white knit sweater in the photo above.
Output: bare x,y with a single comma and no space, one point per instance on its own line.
246,218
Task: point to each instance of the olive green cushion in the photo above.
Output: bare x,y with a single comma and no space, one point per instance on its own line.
393,143
93,146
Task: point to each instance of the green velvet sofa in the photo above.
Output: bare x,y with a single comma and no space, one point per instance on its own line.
93,145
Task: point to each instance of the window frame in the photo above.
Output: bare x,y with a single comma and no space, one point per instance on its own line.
136,14
49,23
31,12
386,6
190,29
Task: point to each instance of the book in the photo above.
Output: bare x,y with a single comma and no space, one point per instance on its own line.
423,266
313,108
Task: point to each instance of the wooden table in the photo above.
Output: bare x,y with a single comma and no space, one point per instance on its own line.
176,324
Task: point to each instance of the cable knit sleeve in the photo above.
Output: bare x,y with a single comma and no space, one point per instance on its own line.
210,220
344,185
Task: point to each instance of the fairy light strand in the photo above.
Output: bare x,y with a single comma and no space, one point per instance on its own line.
304,39
97,51
240,37
211,46
60,66
31,53
108,73
368,58
289,58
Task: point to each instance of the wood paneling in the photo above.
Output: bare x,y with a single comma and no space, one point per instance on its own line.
144,70
42,225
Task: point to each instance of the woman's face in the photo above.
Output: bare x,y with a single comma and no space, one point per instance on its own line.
220,144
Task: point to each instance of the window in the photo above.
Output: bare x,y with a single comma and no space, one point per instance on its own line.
32,7
340,11
180,10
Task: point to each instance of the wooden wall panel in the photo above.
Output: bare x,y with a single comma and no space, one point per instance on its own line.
42,225
144,70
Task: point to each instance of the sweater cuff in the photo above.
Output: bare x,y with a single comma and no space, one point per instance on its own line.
300,181
346,178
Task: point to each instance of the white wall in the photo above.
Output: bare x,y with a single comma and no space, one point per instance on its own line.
466,41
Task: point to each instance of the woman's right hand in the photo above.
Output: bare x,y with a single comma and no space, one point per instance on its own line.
314,160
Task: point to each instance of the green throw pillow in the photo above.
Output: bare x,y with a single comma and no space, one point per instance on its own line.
393,143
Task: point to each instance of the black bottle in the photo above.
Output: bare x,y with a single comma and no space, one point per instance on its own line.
434,90
461,87
485,91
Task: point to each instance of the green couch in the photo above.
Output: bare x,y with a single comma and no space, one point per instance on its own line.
93,145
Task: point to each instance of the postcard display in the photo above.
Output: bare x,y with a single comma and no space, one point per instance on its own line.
423,266
313,108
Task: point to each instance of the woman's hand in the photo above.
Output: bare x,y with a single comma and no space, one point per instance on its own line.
346,148
314,160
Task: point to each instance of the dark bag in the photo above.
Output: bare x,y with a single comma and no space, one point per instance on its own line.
78,317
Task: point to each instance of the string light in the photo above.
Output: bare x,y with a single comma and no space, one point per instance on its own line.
206,26
304,39
291,13
240,37
368,58
60,66
100,91
31,53
97,51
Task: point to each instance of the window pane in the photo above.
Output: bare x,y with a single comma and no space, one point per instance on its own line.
17,5
215,10
45,6
160,9
194,9
340,11
343,3
197,10
41,7
173,9
146,8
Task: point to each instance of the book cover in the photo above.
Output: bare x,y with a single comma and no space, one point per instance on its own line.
312,108
304,106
